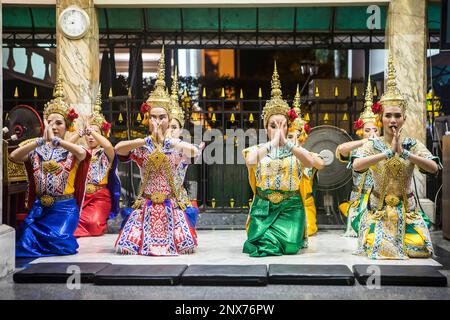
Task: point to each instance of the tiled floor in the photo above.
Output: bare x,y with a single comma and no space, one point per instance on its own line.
225,247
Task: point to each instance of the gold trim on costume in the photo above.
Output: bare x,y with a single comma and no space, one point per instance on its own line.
47,201
51,166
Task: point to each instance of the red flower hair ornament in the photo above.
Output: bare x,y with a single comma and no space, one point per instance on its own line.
292,115
358,124
307,128
72,115
377,108
106,126
145,107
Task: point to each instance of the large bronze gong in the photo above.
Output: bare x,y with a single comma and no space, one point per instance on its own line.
324,141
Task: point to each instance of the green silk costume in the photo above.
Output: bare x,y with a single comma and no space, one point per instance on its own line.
275,227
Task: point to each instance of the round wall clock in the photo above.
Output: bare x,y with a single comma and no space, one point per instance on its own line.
74,22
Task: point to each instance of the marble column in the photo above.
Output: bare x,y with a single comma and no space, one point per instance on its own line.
406,41
79,59
7,234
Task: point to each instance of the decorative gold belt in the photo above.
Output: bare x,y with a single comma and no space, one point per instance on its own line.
391,199
158,197
48,201
92,188
277,197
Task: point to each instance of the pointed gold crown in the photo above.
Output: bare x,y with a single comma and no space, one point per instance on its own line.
97,117
392,95
160,98
367,115
176,112
276,104
299,122
57,104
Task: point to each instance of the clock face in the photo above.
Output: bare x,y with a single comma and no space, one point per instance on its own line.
74,22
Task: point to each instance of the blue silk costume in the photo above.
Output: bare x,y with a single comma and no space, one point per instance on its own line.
53,173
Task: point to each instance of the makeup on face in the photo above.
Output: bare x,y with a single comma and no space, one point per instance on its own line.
90,140
272,125
175,128
159,116
370,129
393,117
58,124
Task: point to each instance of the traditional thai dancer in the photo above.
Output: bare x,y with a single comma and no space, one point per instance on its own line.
297,134
277,220
393,228
103,185
367,126
158,226
174,131
56,171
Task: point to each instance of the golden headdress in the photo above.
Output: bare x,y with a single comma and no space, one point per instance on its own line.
176,112
58,105
296,120
298,123
276,104
98,118
367,115
159,97
392,95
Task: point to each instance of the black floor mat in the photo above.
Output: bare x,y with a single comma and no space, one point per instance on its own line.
394,275
56,272
225,275
140,275
299,274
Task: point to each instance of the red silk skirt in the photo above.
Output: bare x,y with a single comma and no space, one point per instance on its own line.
94,214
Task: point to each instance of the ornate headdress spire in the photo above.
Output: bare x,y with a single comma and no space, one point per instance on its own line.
367,115
159,96
297,123
58,105
392,95
276,104
97,117
98,101
368,99
176,111
296,103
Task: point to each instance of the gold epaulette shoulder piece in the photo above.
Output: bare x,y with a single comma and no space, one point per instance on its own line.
27,141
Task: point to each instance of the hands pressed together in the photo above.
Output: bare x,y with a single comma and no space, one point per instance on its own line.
278,139
48,131
157,131
396,146
85,131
